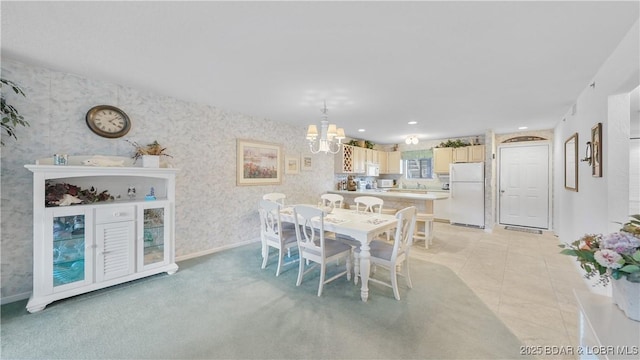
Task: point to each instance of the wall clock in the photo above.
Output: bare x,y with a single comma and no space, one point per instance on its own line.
108,121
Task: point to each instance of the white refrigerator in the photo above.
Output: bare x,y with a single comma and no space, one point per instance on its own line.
466,182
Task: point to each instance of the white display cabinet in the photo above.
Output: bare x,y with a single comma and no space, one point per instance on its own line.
85,247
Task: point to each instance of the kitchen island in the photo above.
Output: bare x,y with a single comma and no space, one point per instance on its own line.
396,199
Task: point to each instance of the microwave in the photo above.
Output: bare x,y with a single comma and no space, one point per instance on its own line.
373,170
385,183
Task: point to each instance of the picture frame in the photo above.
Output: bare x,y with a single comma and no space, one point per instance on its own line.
306,162
571,163
258,163
596,148
291,165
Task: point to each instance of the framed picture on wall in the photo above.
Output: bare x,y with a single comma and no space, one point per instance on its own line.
258,163
291,165
305,162
596,148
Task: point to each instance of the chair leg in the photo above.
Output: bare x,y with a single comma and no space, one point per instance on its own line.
300,271
280,256
265,256
322,270
407,276
349,267
394,282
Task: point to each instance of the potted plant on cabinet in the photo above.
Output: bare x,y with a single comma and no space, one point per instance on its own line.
149,153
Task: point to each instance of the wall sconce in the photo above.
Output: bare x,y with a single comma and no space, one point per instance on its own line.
588,155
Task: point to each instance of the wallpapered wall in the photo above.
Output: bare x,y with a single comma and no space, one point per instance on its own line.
211,211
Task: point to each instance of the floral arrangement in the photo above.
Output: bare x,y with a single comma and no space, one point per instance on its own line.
609,256
150,149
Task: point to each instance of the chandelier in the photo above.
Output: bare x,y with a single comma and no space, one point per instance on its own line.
330,140
411,140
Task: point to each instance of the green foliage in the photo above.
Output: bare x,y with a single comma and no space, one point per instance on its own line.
10,115
453,144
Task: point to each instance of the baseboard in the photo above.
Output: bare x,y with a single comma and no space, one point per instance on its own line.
215,250
14,298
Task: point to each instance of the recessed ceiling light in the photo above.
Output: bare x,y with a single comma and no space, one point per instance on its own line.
361,130
412,122
522,128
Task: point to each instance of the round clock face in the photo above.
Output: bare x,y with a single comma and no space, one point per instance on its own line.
108,121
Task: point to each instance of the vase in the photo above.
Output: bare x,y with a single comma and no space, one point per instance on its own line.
150,161
626,294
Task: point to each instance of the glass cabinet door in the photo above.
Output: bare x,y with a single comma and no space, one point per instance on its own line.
154,228
71,259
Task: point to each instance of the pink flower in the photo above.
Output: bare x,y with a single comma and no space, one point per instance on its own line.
609,259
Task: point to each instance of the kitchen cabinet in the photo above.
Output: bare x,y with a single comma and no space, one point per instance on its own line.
383,158
460,154
476,153
344,160
473,153
394,162
86,247
441,210
372,156
359,160
443,157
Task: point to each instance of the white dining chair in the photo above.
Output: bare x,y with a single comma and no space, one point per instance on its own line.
273,234
369,204
333,200
276,197
315,247
279,198
393,256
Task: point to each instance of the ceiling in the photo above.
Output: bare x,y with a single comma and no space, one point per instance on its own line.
456,68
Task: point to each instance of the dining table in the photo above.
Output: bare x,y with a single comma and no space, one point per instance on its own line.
361,226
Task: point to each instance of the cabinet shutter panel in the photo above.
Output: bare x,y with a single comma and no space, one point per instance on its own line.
115,254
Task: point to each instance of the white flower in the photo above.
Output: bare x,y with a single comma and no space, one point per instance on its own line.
609,258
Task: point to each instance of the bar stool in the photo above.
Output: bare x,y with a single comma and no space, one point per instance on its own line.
427,234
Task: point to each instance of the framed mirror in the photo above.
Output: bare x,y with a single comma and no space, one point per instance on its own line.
571,163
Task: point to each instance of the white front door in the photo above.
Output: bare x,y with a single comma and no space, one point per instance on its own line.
524,185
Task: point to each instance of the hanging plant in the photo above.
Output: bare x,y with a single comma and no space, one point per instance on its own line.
10,115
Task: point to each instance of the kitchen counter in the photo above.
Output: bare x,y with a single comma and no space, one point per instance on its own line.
396,199
420,191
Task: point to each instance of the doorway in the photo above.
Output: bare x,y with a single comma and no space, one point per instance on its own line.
523,188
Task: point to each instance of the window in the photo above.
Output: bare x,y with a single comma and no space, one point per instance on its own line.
419,168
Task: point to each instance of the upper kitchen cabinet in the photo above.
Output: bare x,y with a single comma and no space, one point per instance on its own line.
394,162
344,160
460,155
350,160
442,158
473,153
476,153
359,160
373,156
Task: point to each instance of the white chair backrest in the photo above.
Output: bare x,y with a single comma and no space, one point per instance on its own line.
368,204
270,219
275,197
333,200
310,238
404,231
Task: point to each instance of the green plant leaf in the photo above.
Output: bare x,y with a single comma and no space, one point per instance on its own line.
630,268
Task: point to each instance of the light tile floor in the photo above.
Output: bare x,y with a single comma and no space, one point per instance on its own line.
522,277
